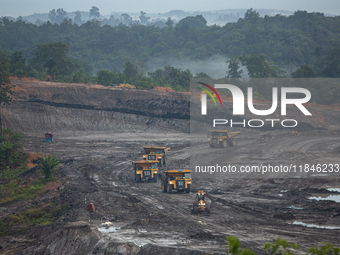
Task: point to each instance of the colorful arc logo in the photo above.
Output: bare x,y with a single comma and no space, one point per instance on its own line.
213,90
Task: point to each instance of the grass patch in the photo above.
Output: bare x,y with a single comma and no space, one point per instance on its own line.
40,216
9,174
13,191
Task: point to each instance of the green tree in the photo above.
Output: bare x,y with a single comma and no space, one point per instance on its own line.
18,66
94,12
202,75
281,246
233,68
259,66
5,87
105,77
52,16
77,19
130,71
60,15
53,57
12,154
305,71
48,165
126,19
143,19
169,22
332,64
198,21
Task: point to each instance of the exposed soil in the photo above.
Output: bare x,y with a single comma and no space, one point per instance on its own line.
138,218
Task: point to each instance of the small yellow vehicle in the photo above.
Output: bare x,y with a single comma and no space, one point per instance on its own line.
179,180
145,170
201,204
222,138
124,86
155,153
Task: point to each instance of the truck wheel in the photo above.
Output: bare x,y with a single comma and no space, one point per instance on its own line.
194,207
211,145
233,143
188,189
137,177
169,188
164,161
155,178
163,187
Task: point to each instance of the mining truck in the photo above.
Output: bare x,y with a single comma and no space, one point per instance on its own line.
179,180
222,138
201,204
145,170
155,153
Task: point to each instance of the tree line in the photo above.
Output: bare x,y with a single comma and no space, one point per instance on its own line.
299,39
254,47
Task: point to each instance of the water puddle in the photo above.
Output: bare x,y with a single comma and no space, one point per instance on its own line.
313,225
294,207
109,229
335,198
334,189
138,236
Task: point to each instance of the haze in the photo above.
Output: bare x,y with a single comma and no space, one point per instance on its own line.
15,8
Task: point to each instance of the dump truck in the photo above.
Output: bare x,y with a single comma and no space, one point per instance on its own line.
155,153
178,179
201,204
145,170
222,138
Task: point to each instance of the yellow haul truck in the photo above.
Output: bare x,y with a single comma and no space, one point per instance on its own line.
155,153
179,180
222,138
201,204
145,170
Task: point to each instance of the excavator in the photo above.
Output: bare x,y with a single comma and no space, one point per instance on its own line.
124,86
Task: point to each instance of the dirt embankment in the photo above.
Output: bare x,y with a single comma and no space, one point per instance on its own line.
50,106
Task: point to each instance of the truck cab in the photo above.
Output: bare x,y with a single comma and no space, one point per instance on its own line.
179,179
145,170
155,153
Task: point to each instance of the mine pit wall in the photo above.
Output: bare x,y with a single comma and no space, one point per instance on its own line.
51,107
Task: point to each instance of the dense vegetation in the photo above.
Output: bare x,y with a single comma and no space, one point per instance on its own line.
254,46
279,247
294,40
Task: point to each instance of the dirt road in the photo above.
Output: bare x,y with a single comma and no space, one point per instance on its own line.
98,166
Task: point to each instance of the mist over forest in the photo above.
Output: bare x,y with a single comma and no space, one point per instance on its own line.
169,49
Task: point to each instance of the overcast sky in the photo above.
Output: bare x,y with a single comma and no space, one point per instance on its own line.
17,8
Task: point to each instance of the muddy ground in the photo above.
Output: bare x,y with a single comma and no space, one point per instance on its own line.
137,218
143,220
